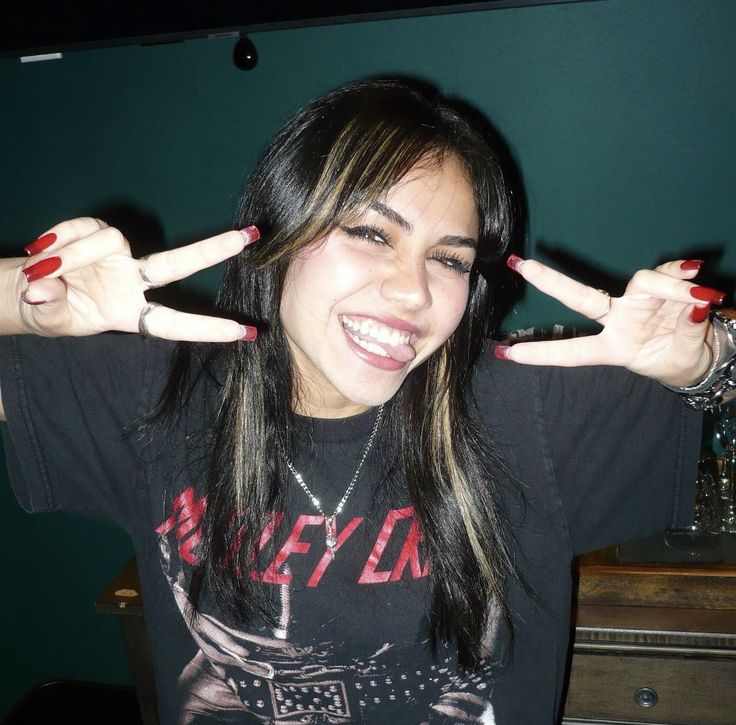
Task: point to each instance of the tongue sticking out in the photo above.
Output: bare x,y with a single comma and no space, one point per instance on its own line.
402,353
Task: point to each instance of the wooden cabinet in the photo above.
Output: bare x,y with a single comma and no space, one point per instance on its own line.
655,636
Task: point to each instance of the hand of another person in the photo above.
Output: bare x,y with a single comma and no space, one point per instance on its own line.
81,280
659,327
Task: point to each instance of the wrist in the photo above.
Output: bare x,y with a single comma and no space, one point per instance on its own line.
12,284
719,382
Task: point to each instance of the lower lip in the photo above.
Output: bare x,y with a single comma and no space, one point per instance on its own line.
377,361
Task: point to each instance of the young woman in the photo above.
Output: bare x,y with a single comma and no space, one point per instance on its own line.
346,507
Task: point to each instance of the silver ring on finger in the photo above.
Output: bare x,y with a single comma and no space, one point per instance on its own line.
142,323
608,306
143,269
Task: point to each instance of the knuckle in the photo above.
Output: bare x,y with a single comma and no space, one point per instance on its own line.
90,223
113,237
642,277
83,226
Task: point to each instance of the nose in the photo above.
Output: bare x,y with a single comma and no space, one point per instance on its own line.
405,283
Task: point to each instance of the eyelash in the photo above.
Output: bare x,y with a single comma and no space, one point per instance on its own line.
376,235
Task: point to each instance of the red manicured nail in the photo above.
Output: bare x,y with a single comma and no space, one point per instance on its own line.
699,314
24,297
689,264
249,333
42,269
40,244
502,351
707,294
250,234
515,262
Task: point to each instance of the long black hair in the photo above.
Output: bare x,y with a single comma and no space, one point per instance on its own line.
330,161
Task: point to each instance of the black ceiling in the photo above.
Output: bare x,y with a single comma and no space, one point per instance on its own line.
33,27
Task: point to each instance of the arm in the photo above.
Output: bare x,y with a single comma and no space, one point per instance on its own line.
10,292
81,279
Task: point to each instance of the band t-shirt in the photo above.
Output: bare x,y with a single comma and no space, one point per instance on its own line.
595,455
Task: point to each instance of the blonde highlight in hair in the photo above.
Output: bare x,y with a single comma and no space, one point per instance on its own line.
447,464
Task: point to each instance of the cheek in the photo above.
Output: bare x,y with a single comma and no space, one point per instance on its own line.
317,281
452,299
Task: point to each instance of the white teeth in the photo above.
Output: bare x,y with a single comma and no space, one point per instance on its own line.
369,346
380,333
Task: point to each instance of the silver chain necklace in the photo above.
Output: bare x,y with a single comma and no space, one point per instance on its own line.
330,527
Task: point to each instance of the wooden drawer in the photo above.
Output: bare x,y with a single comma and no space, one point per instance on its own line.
690,690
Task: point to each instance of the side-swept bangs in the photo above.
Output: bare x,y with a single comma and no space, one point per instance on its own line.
341,153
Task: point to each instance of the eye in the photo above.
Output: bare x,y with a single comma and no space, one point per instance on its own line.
375,235
452,261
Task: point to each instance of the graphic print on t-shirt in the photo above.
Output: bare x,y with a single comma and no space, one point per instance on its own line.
305,670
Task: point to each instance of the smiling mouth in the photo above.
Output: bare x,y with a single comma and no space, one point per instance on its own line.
380,339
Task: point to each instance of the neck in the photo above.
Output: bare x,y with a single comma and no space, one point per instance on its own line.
344,410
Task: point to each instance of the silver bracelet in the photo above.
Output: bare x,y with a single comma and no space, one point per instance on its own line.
721,377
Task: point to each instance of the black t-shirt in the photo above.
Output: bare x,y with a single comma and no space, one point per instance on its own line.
597,456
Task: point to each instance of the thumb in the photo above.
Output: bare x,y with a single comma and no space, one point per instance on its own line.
692,347
44,291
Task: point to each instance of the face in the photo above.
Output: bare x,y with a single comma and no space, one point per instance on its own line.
371,301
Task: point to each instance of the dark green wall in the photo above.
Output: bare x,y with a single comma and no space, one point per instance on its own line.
619,113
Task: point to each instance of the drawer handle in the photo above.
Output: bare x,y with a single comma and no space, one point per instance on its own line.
646,697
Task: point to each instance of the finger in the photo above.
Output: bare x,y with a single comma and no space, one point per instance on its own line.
588,301
165,267
104,242
691,330
160,321
690,353
42,304
44,291
573,352
681,268
663,286
64,233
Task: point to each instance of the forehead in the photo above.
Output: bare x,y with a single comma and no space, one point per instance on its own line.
435,192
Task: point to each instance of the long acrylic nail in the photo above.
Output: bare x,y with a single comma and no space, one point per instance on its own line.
42,269
699,314
515,262
248,333
24,297
250,234
43,242
707,294
690,264
502,352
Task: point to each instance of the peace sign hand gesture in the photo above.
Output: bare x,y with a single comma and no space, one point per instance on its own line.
81,279
658,328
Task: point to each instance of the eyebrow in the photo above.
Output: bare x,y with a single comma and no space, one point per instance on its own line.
392,215
449,240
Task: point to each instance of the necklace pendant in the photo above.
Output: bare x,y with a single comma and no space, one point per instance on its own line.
330,524
330,538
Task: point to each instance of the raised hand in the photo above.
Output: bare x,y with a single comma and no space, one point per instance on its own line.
658,327
81,280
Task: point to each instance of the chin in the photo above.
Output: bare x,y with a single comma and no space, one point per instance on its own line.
373,398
